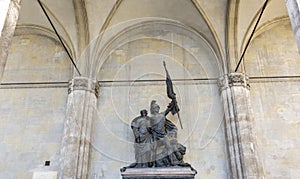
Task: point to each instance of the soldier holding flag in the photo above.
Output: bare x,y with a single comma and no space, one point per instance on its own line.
156,137
172,95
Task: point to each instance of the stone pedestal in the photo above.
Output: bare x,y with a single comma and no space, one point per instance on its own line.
157,173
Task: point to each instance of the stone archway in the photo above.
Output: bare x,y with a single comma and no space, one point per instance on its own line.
131,75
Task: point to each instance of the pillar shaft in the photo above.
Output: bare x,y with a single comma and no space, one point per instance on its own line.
293,7
7,30
240,137
75,150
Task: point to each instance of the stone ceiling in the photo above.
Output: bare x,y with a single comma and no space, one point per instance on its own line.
79,21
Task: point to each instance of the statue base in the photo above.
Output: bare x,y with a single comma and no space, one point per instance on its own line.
157,173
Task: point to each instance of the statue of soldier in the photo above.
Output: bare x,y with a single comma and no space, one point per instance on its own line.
140,127
159,131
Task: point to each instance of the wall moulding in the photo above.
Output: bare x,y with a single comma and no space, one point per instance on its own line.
26,29
152,28
265,27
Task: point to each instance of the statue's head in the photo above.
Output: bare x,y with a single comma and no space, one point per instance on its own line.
144,112
154,108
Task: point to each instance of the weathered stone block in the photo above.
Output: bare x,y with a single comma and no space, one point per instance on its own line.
45,175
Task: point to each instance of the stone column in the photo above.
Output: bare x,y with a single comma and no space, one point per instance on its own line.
75,149
8,21
240,137
293,7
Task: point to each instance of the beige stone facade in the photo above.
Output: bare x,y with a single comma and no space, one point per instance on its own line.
236,124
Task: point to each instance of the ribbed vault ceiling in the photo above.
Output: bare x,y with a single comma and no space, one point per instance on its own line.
81,21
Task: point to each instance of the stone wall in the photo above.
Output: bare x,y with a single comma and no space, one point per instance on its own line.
33,98
272,62
31,130
36,59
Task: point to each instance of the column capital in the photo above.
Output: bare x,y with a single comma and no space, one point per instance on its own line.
233,79
85,84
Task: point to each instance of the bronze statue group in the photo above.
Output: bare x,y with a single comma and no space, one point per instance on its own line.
156,142
156,139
